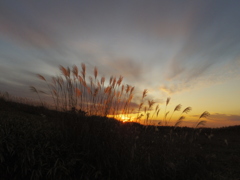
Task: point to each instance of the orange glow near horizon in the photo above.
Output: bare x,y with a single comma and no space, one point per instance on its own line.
123,118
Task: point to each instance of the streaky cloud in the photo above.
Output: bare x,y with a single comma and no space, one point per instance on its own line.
23,28
224,117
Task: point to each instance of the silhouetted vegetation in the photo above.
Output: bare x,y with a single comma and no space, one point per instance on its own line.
38,143
73,91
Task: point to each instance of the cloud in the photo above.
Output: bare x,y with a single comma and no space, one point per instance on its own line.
215,120
205,34
172,89
24,28
130,69
220,120
186,74
205,54
203,75
16,88
224,117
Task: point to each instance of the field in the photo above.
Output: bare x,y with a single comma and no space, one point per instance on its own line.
37,143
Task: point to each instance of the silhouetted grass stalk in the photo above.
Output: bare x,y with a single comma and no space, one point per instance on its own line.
166,113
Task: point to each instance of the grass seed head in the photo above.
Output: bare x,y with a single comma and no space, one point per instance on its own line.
83,70
33,89
64,71
95,73
187,110
178,107
204,115
41,77
144,93
75,70
168,100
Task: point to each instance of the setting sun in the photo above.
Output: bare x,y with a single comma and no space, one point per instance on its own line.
124,118
121,117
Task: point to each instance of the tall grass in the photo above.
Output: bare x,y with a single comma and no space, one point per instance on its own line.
74,90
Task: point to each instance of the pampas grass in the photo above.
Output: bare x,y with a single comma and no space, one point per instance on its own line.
33,89
187,110
71,90
177,108
179,121
203,115
166,113
74,89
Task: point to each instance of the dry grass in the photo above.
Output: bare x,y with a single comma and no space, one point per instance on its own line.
72,90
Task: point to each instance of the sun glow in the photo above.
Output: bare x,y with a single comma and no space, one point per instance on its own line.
121,117
124,118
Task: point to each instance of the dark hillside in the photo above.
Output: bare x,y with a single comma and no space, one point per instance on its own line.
37,143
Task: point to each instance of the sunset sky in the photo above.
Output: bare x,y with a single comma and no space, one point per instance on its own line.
188,50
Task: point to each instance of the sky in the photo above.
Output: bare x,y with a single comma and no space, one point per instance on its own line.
188,50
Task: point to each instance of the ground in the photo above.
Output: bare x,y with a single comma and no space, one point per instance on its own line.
37,143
